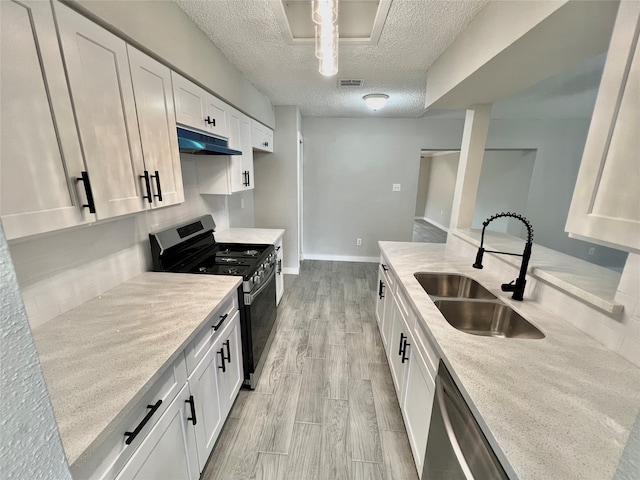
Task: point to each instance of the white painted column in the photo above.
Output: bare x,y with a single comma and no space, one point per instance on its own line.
474,139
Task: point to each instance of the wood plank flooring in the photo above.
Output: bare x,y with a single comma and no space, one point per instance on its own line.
425,232
325,407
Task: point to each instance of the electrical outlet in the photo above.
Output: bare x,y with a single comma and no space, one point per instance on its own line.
592,250
396,187
358,242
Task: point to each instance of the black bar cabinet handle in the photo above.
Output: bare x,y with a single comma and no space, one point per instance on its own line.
228,357
223,366
248,178
132,435
192,404
381,290
279,267
147,185
402,340
384,267
84,178
210,121
222,319
157,177
404,351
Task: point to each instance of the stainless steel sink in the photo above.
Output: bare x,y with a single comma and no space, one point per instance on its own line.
450,285
490,319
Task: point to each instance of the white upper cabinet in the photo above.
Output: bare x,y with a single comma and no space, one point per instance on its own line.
606,200
261,137
102,93
162,182
228,174
40,154
197,108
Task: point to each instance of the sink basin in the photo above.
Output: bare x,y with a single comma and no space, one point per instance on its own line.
450,285
489,319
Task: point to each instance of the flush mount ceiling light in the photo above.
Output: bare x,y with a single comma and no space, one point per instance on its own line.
325,14
375,101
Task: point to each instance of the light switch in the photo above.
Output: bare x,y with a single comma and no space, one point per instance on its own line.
396,187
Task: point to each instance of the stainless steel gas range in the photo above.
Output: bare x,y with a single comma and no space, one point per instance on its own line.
191,248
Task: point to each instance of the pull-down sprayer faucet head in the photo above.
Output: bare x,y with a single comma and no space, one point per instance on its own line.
516,286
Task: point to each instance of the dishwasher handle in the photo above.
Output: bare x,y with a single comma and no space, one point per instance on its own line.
442,395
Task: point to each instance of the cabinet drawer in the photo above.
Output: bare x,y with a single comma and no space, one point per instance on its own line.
113,452
206,336
428,351
405,308
389,277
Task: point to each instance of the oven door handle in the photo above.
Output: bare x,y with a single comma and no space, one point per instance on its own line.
248,298
451,434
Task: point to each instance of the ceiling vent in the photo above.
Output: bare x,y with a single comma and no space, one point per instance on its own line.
349,83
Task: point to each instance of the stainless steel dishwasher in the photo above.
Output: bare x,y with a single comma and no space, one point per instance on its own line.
456,447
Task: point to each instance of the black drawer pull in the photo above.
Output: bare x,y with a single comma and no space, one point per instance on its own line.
222,319
384,267
381,290
210,121
147,185
131,435
193,409
223,366
402,340
228,357
404,351
157,177
84,178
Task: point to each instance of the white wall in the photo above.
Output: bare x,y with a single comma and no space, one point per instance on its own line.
276,191
61,270
442,183
30,445
350,166
164,31
241,209
504,186
423,184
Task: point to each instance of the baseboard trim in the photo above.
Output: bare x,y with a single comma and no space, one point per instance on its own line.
435,224
341,258
291,270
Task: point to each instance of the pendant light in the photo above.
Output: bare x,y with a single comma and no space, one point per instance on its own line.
325,14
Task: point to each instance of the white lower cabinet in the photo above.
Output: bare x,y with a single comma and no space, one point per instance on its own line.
417,405
411,358
214,384
169,450
279,272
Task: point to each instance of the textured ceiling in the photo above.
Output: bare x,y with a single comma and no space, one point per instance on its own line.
416,32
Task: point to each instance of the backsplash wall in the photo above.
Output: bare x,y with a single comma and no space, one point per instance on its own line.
60,270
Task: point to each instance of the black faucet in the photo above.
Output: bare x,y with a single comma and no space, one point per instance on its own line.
518,287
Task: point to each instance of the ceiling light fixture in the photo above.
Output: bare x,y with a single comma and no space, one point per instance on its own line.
375,101
325,14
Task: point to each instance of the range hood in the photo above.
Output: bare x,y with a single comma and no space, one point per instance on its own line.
201,144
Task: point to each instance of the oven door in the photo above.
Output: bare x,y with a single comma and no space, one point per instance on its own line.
259,327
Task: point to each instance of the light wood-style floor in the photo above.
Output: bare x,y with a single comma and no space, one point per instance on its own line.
425,232
325,407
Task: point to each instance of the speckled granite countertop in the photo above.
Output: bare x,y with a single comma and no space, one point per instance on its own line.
249,235
99,358
557,408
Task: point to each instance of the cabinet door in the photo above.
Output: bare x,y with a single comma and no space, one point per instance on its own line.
190,103
237,172
169,451
37,178
230,379
261,137
387,317
157,124
606,201
399,351
217,112
247,151
203,383
279,272
417,405
100,84
381,296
